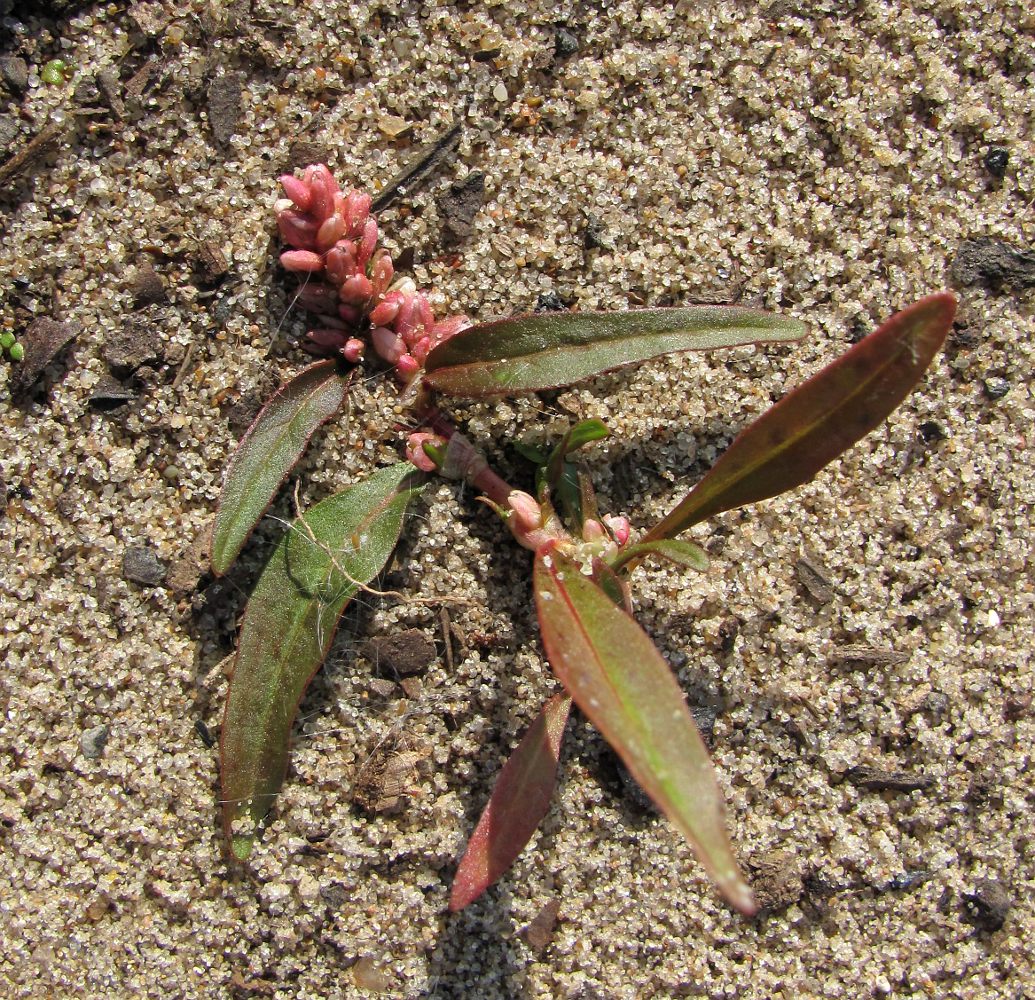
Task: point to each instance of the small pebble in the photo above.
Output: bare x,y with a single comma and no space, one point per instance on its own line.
996,387
500,92
565,43
14,71
93,741
141,565
996,161
147,287
988,906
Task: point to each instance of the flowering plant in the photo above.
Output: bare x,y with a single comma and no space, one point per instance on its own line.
606,664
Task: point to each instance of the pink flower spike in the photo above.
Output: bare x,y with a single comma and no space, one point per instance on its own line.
330,231
296,230
297,191
301,261
357,208
620,527
356,290
353,350
388,344
366,247
415,449
406,367
592,530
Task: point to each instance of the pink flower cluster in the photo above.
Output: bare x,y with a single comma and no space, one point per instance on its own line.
348,279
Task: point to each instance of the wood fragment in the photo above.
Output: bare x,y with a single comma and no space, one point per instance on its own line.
35,148
867,655
875,779
812,576
410,177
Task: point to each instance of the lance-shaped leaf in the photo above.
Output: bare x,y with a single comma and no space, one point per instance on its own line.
516,807
617,677
820,419
674,550
327,554
528,353
268,452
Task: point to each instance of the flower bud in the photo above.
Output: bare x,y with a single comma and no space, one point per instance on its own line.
381,272
356,290
317,298
296,230
357,208
620,527
353,350
369,241
388,344
322,188
341,261
301,261
406,367
415,452
330,231
386,310
593,530
325,340
297,190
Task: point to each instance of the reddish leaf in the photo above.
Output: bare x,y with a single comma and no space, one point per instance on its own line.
617,677
269,451
516,807
327,554
528,353
820,419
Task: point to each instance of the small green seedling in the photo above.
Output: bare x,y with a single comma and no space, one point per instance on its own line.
583,560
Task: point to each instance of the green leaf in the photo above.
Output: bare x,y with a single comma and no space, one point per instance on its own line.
675,550
327,554
618,678
516,807
543,351
579,435
269,451
820,419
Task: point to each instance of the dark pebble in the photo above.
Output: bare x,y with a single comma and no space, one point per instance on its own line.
204,735
595,235
141,565
147,287
224,106
109,393
133,344
93,741
539,933
304,153
988,906
996,387
549,302
43,341
997,160
931,433
401,655
210,263
10,130
565,43
993,262
14,71
775,880
460,204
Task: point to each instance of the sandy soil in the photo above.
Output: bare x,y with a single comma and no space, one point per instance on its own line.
825,160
